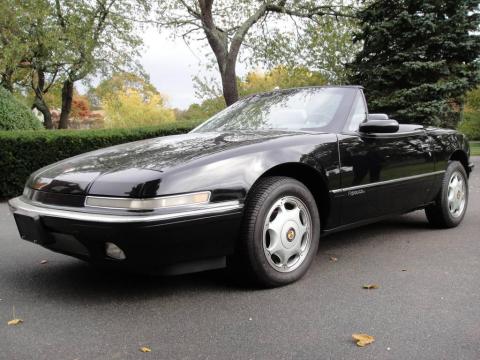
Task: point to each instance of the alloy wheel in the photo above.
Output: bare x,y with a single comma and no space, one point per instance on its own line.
287,234
456,194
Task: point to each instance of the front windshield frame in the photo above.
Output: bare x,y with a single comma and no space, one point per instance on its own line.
337,122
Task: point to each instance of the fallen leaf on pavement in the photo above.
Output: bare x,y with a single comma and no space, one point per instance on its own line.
363,339
370,286
15,322
145,349
43,262
333,258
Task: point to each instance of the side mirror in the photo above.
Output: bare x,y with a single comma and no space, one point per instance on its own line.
377,117
378,126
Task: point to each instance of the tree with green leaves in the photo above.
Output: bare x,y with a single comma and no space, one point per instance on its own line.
99,39
45,42
419,58
470,124
229,24
45,58
31,46
323,46
473,100
13,44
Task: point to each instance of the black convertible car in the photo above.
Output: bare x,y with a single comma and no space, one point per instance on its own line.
254,187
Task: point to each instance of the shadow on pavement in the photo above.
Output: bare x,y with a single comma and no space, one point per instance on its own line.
413,223
78,282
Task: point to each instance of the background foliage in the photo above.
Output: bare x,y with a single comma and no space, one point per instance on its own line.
130,109
324,45
470,125
130,100
419,58
231,26
14,115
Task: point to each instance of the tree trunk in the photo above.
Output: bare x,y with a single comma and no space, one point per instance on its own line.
67,97
6,81
226,61
39,102
43,108
229,84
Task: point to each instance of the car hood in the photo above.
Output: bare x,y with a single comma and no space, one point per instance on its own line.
140,163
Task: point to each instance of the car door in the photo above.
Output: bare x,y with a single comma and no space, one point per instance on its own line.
381,174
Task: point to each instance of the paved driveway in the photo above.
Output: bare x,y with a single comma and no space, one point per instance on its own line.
427,306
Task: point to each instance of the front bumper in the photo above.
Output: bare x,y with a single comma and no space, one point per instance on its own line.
183,241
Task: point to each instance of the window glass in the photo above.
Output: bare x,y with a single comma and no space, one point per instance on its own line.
358,114
308,108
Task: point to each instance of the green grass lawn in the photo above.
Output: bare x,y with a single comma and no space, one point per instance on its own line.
475,148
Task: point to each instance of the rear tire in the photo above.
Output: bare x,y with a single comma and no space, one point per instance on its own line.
281,231
452,200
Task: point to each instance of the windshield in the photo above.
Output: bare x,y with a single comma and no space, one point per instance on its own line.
295,109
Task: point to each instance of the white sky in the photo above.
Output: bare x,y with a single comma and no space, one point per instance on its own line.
172,65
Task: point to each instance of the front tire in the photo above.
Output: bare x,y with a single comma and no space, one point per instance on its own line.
281,231
451,203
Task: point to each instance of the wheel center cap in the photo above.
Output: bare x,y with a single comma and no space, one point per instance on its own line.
290,234
459,195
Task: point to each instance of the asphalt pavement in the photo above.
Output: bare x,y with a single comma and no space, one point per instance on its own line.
427,305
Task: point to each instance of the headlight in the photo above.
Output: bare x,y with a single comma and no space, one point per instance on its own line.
149,204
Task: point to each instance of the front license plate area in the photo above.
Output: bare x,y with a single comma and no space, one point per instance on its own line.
31,229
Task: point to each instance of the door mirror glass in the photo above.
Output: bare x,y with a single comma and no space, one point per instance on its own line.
379,126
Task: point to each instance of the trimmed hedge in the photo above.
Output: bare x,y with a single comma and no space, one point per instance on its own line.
23,152
475,148
14,115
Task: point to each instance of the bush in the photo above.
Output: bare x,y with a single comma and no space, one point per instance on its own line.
14,115
23,152
470,125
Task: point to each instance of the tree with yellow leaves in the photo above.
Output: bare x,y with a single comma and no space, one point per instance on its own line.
132,109
281,77
129,100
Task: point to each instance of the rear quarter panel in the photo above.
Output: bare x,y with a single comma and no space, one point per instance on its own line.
444,142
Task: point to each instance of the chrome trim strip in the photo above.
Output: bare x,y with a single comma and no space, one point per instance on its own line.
386,182
17,204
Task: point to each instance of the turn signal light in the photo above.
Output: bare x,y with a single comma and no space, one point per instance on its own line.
149,204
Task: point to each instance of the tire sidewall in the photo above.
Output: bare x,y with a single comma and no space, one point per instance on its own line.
454,166
259,261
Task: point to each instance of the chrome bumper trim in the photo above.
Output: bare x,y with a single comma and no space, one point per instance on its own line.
386,182
17,204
